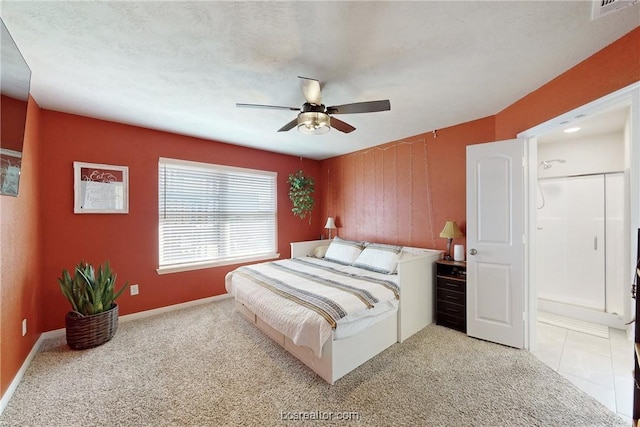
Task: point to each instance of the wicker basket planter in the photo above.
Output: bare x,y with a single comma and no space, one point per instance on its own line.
91,331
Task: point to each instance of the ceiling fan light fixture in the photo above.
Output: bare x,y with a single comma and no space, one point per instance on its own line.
313,123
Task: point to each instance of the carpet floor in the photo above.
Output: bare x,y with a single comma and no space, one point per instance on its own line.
208,366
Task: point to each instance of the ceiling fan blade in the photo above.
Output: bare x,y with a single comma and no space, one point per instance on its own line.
341,126
311,90
360,107
272,107
293,123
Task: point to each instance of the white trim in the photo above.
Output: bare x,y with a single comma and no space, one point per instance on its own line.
6,397
148,313
11,153
61,332
530,304
209,264
612,100
169,308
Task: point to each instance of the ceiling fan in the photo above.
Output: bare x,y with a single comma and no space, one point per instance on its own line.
314,118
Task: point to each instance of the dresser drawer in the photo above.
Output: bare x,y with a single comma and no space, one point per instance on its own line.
451,309
452,322
451,296
452,284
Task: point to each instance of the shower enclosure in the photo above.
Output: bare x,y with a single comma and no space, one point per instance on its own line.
580,255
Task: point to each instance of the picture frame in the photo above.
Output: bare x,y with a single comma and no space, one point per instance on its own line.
10,165
100,188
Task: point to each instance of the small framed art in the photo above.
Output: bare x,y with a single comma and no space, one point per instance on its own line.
100,188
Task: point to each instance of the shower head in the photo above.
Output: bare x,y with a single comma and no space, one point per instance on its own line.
546,164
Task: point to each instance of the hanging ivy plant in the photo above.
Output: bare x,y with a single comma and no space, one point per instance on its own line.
301,188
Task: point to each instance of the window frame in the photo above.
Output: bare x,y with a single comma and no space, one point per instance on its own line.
196,265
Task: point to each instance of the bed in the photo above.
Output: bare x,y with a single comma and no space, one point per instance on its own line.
326,330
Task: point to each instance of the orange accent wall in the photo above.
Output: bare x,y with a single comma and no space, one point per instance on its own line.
130,241
404,191
20,259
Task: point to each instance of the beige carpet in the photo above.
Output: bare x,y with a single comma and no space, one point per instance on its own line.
208,366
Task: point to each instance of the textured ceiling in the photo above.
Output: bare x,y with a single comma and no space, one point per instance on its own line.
182,66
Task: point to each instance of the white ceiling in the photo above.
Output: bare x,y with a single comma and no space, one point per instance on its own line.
182,66
608,121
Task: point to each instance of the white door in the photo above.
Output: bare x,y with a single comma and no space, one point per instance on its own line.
495,233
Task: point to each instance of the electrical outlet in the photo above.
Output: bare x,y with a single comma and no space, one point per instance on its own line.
24,327
134,289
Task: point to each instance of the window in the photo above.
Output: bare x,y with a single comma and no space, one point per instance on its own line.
214,215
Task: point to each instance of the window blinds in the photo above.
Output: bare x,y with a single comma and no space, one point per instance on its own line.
214,213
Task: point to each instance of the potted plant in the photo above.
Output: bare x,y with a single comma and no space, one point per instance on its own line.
94,317
300,192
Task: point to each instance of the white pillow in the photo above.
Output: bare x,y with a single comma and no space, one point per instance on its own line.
320,251
343,251
379,257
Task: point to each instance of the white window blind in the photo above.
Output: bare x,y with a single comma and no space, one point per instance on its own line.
212,214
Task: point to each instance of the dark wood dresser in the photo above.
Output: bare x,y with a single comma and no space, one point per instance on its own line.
451,294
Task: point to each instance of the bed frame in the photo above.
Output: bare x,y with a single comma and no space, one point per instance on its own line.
339,357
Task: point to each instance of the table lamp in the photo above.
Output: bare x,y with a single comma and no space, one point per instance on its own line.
330,225
450,232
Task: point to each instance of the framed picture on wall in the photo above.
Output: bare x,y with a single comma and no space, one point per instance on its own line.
100,188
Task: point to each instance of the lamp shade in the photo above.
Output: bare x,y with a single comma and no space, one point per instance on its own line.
331,224
313,123
451,230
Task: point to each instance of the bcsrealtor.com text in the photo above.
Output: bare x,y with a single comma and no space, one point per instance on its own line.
319,416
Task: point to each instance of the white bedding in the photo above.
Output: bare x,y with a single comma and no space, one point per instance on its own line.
302,325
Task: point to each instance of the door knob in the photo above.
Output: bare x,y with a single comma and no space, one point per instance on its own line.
472,251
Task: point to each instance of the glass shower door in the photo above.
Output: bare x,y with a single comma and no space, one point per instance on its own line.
571,241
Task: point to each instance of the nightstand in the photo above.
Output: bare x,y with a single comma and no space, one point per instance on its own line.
451,294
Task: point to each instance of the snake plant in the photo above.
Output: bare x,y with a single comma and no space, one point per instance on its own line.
88,291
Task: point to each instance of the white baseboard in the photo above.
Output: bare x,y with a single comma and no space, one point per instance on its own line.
153,312
148,313
60,332
16,380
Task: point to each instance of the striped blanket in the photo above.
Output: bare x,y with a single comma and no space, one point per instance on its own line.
307,298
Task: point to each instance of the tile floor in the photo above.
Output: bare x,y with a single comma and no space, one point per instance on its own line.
601,367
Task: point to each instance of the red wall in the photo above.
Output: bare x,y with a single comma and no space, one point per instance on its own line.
20,259
130,241
404,191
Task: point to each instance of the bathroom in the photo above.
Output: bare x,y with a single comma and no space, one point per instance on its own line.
582,222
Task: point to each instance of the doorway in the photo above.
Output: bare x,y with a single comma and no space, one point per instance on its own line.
582,223
629,98
557,176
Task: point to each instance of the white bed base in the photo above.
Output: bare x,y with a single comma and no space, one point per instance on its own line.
339,357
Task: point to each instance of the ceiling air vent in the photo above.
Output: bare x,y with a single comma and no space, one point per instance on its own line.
604,7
